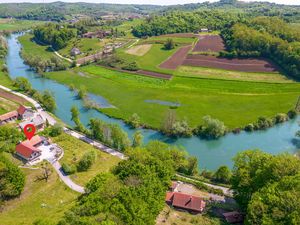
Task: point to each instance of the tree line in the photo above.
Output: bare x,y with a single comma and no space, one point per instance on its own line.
182,22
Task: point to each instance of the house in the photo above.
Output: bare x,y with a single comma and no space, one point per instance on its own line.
8,117
37,120
25,112
233,217
28,149
75,51
187,202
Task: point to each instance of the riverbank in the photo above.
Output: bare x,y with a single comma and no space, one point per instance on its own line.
211,154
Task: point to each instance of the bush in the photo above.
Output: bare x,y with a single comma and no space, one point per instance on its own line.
181,128
263,123
56,130
249,127
134,121
130,66
292,113
68,168
86,161
169,44
280,118
211,128
222,175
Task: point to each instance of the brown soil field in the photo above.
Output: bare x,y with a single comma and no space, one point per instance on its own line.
154,74
209,43
13,97
246,65
176,59
139,50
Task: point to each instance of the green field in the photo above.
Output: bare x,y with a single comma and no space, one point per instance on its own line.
17,25
74,150
39,200
237,103
31,49
7,105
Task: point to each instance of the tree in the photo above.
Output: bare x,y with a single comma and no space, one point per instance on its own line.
75,118
46,171
211,128
22,83
169,44
82,93
48,101
192,166
255,169
169,121
12,179
223,175
56,130
9,137
277,203
134,121
137,139
120,139
86,161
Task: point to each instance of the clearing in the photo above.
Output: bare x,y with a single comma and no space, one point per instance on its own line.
139,50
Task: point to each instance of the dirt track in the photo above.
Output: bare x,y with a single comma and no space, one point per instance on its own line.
154,74
245,65
180,35
209,43
176,59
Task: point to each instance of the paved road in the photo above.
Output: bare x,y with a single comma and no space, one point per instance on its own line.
66,179
225,190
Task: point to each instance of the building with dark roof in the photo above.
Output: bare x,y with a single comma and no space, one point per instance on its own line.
187,202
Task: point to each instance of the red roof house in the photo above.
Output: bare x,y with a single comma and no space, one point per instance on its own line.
21,110
184,201
8,117
24,113
28,149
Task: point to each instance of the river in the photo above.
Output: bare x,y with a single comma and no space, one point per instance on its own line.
211,154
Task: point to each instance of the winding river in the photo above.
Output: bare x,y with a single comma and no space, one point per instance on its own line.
211,154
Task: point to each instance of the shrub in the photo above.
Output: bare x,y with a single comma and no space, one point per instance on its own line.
223,175
134,121
181,128
292,113
263,123
250,127
68,168
169,44
131,66
56,130
280,118
211,128
86,161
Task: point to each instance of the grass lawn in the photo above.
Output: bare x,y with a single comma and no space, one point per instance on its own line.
4,78
175,217
32,49
74,150
7,105
16,25
87,46
151,60
211,73
127,27
237,103
39,200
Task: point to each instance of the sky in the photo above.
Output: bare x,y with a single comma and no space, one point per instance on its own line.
153,2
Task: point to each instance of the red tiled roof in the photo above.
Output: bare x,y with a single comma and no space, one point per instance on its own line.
21,110
8,115
185,201
25,149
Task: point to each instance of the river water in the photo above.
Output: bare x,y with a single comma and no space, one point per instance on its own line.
211,154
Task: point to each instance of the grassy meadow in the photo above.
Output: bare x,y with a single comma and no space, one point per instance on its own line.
74,149
12,25
237,103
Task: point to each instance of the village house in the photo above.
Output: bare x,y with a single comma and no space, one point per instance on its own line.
37,120
8,117
75,51
28,150
25,112
187,202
